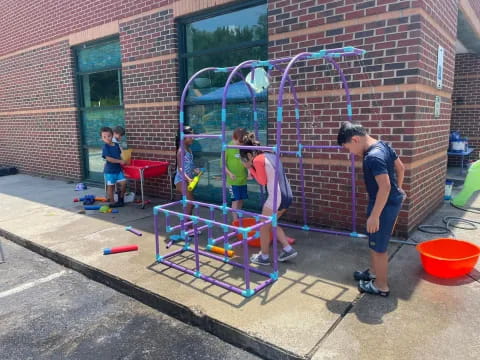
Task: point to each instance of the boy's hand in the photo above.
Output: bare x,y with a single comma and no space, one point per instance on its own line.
233,177
373,224
196,171
404,194
122,162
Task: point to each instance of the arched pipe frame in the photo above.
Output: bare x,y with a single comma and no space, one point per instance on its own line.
229,231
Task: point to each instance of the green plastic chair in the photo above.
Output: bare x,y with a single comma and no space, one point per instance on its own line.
471,185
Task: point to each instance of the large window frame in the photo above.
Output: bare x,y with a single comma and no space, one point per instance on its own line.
80,99
181,30
257,46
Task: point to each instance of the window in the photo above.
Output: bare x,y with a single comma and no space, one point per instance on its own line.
224,38
100,99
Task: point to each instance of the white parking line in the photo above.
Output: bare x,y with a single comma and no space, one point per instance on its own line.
31,284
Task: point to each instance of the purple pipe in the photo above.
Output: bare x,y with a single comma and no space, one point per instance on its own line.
220,208
182,150
220,238
224,121
203,277
246,262
176,227
345,86
201,219
321,147
277,158
234,263
316,229
155,226
240,242
354,197
174,253
203,136
263,285
169,204
352,157
212,218
285,59
260,224
262,148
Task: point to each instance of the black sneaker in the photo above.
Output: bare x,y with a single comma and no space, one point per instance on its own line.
259,260
119,203
287,255
363,275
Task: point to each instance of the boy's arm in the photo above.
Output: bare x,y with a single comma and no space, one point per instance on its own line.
229,173
373,222
114,161
400,171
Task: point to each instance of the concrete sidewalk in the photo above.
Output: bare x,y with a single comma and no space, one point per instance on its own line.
312,311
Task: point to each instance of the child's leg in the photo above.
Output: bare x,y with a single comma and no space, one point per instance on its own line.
110,191
380,268
237,205
378,243
190,196
266,230
123,186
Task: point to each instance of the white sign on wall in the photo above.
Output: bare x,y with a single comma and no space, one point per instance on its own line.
437,106
440,67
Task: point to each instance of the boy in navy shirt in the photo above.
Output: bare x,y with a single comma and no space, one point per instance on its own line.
383,174
113,173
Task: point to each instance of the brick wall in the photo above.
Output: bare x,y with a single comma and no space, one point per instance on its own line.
32,22
466,100
393,93
393,87
476,6
151,130
38,120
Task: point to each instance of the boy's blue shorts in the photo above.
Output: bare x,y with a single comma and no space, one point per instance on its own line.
112,179
379,241
238,192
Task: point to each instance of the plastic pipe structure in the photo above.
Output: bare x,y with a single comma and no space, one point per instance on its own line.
221,245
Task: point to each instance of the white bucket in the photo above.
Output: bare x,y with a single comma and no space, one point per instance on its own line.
128,198
458,145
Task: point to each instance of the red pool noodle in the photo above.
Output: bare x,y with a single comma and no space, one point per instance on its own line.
120,249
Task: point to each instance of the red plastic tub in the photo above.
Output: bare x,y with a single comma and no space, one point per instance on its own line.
150,169
247,222
448,258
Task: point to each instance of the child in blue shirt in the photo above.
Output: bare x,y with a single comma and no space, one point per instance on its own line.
113,173
383,174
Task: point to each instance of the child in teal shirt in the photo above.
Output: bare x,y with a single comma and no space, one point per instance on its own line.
236,173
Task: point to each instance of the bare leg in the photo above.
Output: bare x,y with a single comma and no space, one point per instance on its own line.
189,197
123,187
266,230
238,204
110,190
380,268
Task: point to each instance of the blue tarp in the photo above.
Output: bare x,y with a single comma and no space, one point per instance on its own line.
236,91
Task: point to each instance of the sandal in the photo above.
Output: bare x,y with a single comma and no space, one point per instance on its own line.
369,288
